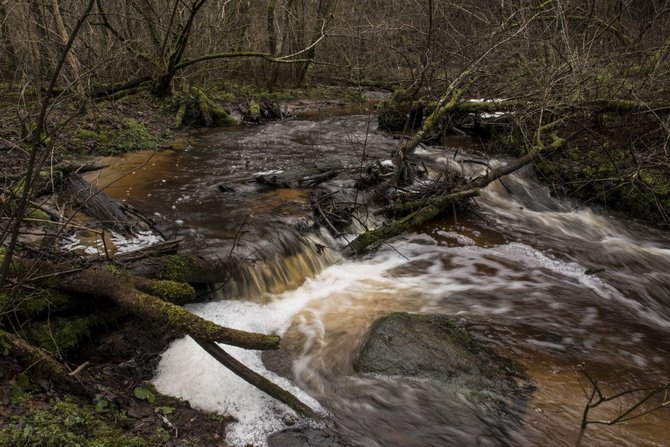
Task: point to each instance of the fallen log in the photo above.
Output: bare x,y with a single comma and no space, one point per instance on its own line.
396,227
123,290
304,176
93,202
422,211
32,356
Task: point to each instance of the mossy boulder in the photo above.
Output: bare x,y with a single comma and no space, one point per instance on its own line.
425,346
195,108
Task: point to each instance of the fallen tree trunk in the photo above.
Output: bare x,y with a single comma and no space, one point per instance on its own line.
94,203
124,291
305,176
140,296
33,356
429,208
396,227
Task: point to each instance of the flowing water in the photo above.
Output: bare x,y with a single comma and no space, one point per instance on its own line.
554,286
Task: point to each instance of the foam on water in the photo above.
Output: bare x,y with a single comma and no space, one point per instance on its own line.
186,371
190,373
118,243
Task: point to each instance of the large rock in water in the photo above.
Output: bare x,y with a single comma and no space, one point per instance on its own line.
478,395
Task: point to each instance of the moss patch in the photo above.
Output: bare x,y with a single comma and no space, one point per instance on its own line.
173,291
196,108
175,268
128,135
66,424
65,334
610,174
41,302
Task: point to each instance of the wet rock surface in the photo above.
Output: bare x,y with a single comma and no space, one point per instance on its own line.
483,395
308,437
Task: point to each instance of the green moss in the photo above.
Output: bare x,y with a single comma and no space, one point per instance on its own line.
657,181
232,92
254,107
65,334
179,117
15,266
114,269
173,291
196,108
609,172
17,189
66,424
41,302
211,113
36,213
5,299
175,268
129,135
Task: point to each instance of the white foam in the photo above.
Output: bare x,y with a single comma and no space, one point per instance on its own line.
140,240
119,243
188,372
269,172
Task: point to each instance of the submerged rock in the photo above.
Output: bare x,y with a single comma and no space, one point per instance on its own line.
477,394
307,437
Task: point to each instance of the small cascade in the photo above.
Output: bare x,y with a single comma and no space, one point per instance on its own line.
284,265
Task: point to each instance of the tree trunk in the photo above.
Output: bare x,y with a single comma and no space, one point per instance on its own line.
161,85
94,203
71,58
122,290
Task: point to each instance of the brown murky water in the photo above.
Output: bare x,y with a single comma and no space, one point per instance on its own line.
517,266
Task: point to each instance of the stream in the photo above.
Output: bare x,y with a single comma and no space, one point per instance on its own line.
556,285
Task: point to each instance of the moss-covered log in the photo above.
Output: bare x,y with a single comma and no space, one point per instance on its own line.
396,227
31,356
430,208
195,107
122,290
173,291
